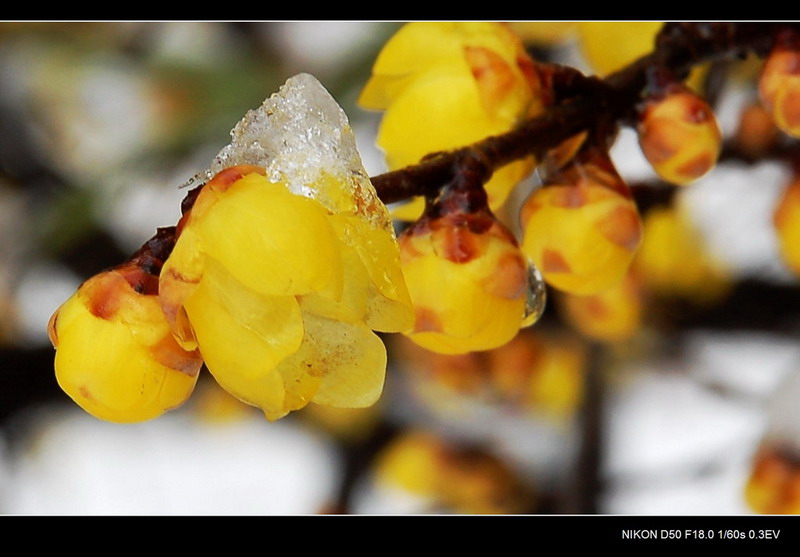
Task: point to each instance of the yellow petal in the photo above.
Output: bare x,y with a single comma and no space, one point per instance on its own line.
272,241
243,335
388,305
348,360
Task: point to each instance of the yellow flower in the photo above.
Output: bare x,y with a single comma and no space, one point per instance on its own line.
468,282
611,316
779,84
449,477
542,371
679,135
115,353
609,46
281,294
674,261
445,85
582,229
774,483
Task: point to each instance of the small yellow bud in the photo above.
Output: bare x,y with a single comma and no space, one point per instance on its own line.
115,354
581,229
468,282
779,84
674,261
613,315
446,476
679,135
757,131
774,484
541,372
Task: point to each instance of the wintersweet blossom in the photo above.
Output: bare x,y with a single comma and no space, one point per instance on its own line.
468,282
278,297
115,354
444,85
582,228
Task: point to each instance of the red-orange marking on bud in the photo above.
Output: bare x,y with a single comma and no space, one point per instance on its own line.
52,333
493,75
621,226
455,243
427,320
528,69
509,279
696,167
595,307
103,295
696,110
657,145
85,392
554,262
227,177
169,354
790,108
570,197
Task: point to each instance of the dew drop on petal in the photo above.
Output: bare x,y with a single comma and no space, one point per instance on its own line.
536,297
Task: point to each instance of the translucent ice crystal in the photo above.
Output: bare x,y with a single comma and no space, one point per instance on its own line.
302,137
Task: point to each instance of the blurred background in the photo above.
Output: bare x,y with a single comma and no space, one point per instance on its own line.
664,397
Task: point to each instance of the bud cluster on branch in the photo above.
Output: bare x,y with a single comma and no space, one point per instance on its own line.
285,260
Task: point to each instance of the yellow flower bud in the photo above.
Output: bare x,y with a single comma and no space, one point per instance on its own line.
581,229
609,46
542,372
462,480
444,85
756,132
779,84
679,135
787,225
610,316
468,282
673,259
281,294
774,483
115,354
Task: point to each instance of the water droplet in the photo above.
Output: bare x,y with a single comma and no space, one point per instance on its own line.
536,297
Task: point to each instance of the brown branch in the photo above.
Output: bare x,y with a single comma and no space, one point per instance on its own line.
579,102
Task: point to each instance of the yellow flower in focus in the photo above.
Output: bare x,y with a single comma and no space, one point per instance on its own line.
444,85
115,354
281,294
581,229
468,282
673,260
